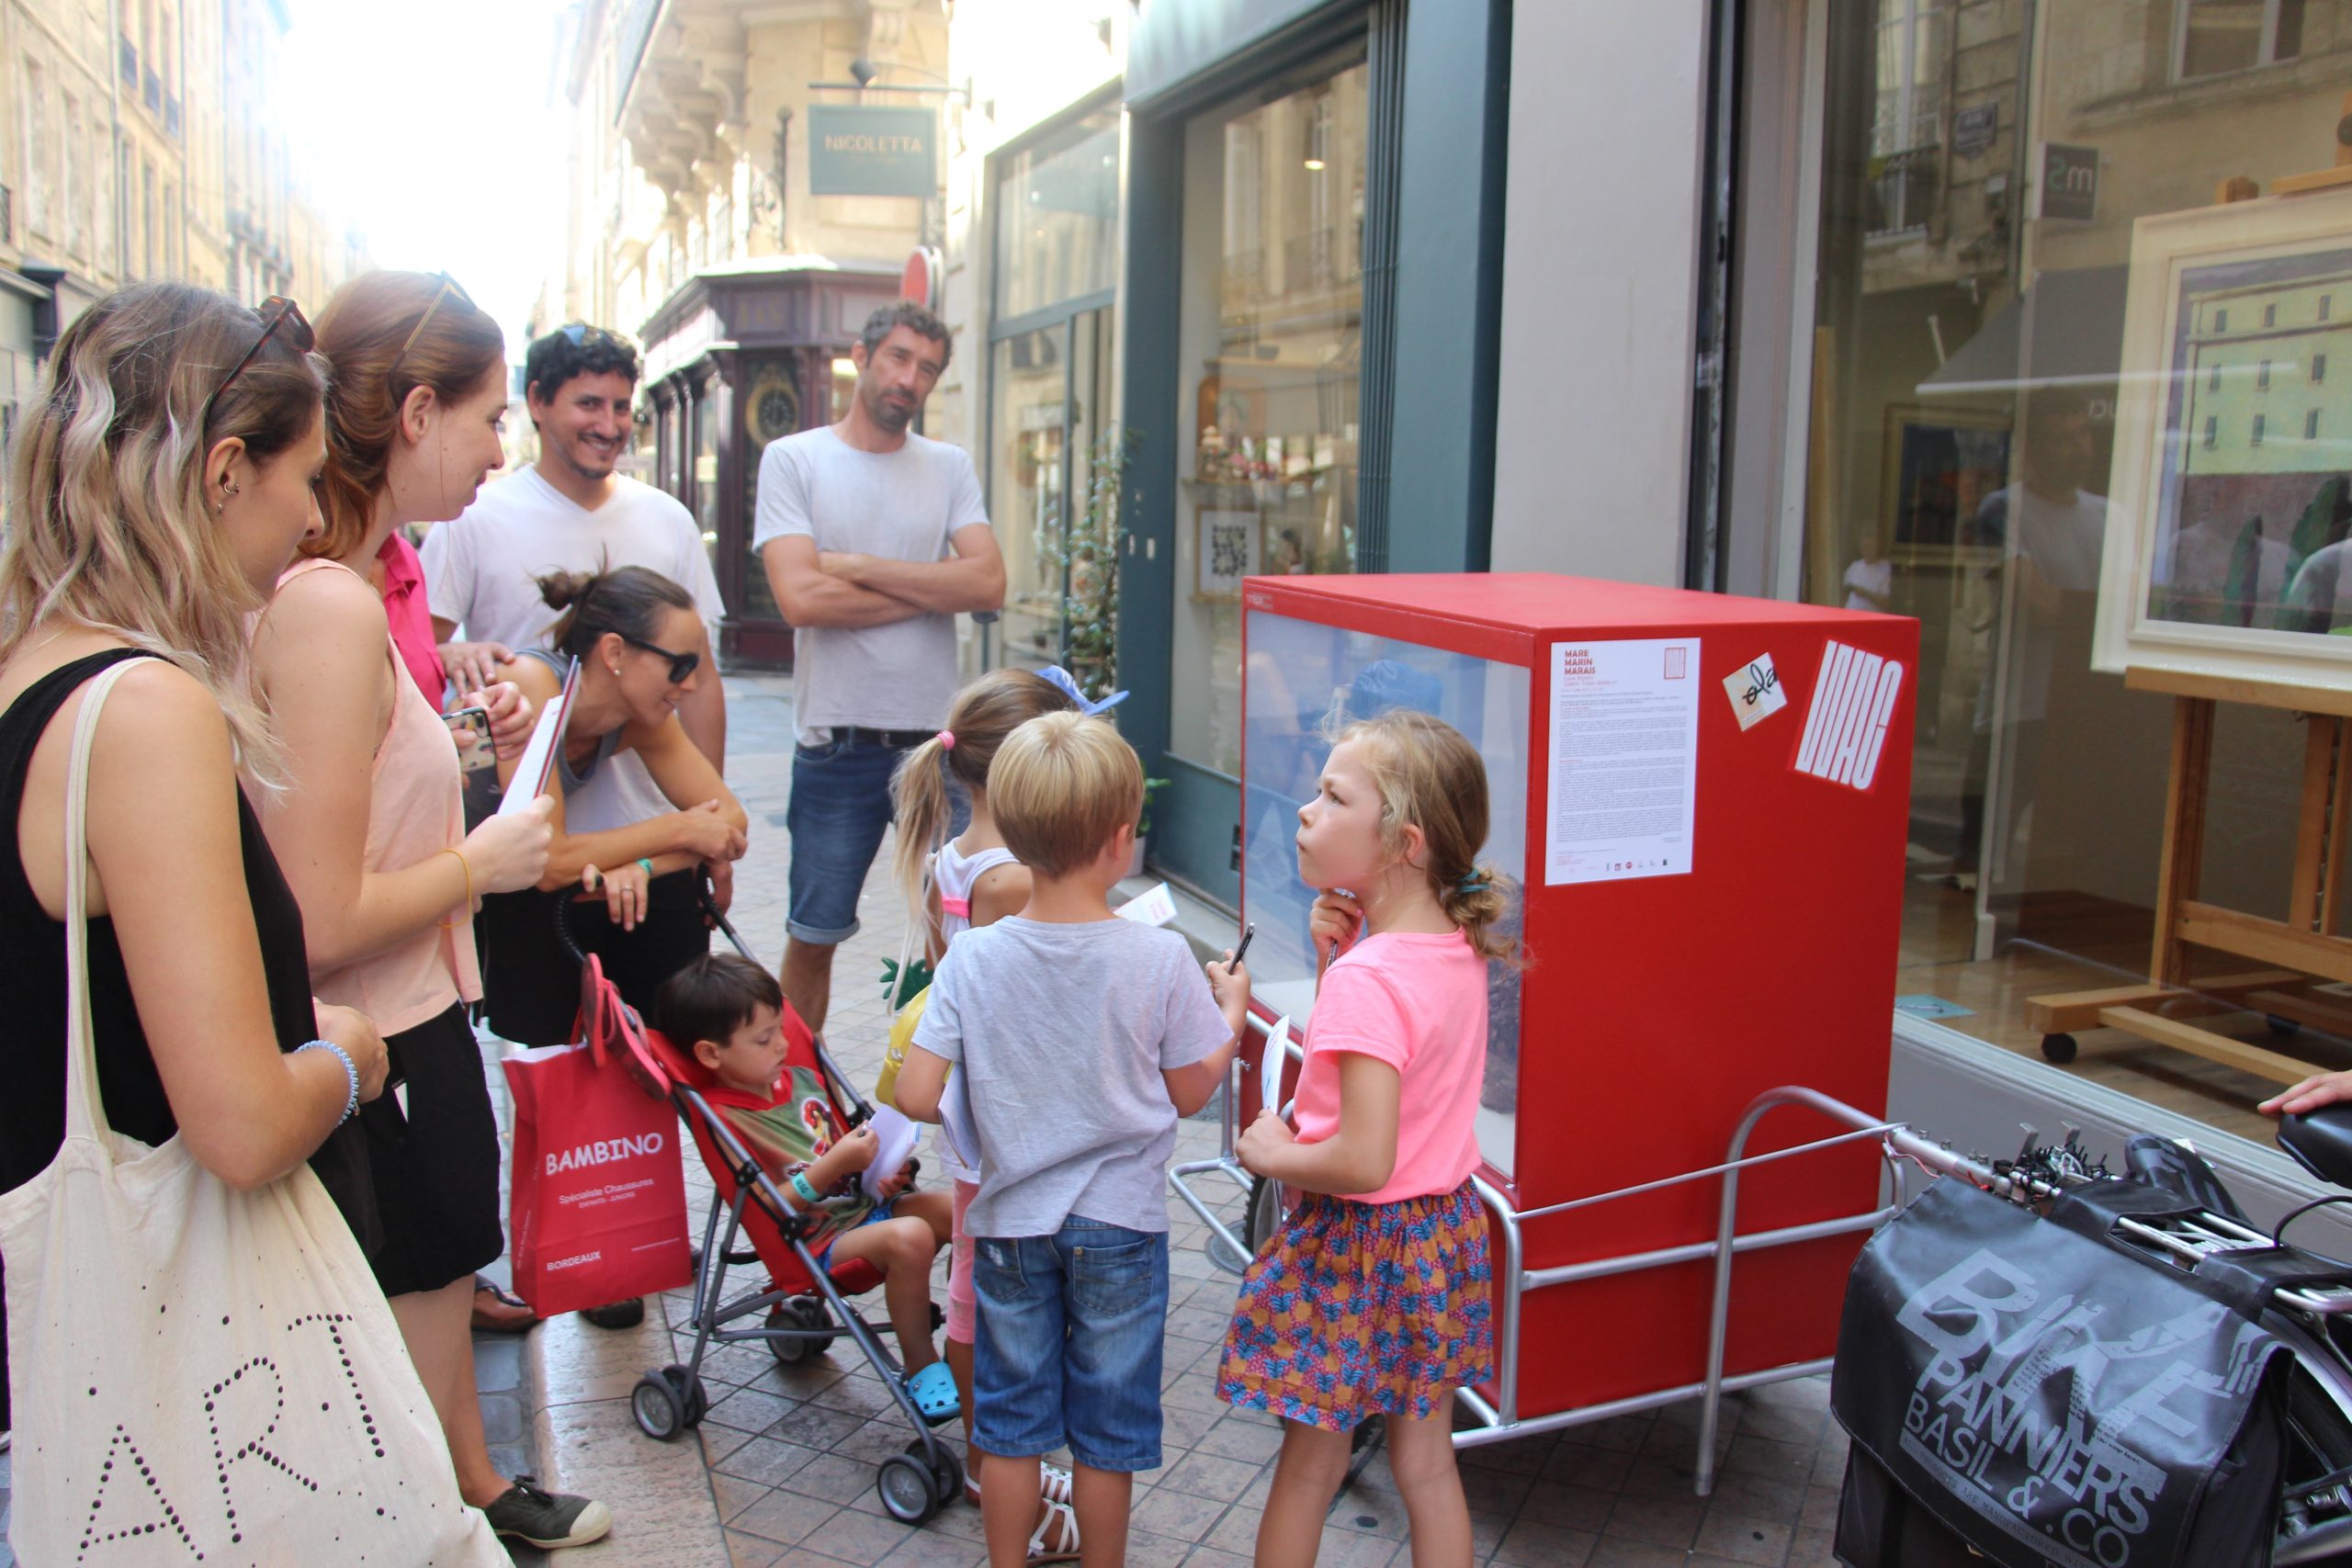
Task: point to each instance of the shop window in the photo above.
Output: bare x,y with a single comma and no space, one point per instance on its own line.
1962,437
1270,355
2217,37
1049,396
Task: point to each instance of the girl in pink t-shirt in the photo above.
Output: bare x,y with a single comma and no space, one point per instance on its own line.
1374,1297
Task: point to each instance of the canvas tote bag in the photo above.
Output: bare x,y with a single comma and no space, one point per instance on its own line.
201,1373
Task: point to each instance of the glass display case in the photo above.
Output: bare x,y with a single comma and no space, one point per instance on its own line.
1302,684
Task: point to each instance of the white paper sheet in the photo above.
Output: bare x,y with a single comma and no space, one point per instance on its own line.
1268,1063
1624,772
530,779
895,1138
1154,907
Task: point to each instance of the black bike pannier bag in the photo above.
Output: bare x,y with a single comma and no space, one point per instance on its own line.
2046,1398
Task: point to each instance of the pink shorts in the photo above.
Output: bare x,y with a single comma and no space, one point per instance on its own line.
963,1306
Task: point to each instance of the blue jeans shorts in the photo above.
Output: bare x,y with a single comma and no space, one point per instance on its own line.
1068,1346
839,809
874,1216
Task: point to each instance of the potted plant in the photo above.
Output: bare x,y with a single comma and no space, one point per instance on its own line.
1143,826
1085,552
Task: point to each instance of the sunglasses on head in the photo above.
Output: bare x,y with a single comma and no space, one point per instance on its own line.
682,665
580,333
276,312
448,287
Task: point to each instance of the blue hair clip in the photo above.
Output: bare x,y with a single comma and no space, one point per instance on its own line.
1062,678
1472,883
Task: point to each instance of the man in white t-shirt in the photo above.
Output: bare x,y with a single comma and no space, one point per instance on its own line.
572,512
874,538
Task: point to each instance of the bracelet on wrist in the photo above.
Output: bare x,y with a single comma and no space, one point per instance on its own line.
808,1194
351,1073
647,866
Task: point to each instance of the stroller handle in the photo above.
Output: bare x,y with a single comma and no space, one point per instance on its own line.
859,1110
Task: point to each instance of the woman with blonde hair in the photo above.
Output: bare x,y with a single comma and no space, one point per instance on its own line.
372,830
161,481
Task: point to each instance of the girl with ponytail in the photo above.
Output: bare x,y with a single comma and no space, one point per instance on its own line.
1390,1244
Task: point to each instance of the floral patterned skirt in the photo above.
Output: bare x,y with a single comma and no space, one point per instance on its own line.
1359,1309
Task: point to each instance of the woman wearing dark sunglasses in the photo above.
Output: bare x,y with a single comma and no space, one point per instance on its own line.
637,638
372,830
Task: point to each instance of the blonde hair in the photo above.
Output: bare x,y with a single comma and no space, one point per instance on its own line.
1062,787
366,333
1429,776
984,714
111,529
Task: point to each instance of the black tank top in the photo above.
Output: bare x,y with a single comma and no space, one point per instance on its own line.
32,1049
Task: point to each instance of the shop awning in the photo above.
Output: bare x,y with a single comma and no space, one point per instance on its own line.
2068,327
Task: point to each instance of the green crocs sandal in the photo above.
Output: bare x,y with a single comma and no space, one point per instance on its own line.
933,1391
548,1519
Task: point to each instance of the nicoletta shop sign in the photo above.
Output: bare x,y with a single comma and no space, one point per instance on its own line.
855,151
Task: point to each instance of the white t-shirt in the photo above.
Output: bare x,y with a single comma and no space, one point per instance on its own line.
904,505
480,570
2062,540
1865,578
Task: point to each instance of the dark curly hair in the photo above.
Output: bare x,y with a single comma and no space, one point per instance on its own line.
554,359
907,313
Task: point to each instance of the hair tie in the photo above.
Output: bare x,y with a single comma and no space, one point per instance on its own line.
1473,882
946,739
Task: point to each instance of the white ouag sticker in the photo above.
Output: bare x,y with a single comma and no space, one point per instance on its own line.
1755,690
1845,729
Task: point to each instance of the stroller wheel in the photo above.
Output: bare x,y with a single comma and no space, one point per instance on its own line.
908,1490
806,1316
667,1402
947,1475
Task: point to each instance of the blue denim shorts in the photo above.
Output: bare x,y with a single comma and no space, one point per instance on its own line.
839,809
1068,1346
874,1216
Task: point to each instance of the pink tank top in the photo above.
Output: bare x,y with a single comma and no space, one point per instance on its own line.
415,809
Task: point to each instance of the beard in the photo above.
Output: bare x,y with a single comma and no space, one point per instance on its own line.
587,461
891,416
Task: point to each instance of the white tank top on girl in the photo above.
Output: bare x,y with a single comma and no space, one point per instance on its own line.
955,874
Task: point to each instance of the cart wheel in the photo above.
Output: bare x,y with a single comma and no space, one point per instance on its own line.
2283,1027
1261,1216
2059,1048
910,1492
946,1476
666,1403
805,1314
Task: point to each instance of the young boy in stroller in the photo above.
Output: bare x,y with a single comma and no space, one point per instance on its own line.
728,1013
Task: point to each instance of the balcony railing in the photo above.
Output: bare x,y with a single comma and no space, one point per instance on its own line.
126,53
1902,191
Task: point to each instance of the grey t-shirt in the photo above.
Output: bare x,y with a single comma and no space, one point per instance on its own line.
903,505
1060,1033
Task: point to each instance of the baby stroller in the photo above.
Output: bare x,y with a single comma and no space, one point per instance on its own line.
799,1310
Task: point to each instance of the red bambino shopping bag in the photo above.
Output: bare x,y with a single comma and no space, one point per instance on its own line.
598,1212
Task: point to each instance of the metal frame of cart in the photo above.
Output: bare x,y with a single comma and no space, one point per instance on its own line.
1500,1421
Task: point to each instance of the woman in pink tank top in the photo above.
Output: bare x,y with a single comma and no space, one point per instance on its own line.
371,830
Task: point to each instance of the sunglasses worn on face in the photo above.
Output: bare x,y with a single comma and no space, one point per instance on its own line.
682,665
448,287
276,312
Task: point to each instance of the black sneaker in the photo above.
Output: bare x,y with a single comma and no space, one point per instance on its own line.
617,1314
548,1519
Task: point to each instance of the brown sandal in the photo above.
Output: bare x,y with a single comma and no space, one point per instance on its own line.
500,1310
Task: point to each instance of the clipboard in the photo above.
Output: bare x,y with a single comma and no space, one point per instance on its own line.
538,757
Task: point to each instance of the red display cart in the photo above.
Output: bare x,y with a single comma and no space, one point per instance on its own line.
1704,800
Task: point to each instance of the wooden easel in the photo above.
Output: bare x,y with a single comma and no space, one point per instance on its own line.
2297,948
2304,948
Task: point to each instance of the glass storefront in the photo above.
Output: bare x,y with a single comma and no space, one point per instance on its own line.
1983,168
1049,395
1270,357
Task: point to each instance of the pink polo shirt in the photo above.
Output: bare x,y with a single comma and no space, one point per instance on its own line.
1418,1002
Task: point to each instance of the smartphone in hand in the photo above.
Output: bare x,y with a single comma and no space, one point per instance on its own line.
469,728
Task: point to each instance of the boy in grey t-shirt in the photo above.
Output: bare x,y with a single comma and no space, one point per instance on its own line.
1080,1039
